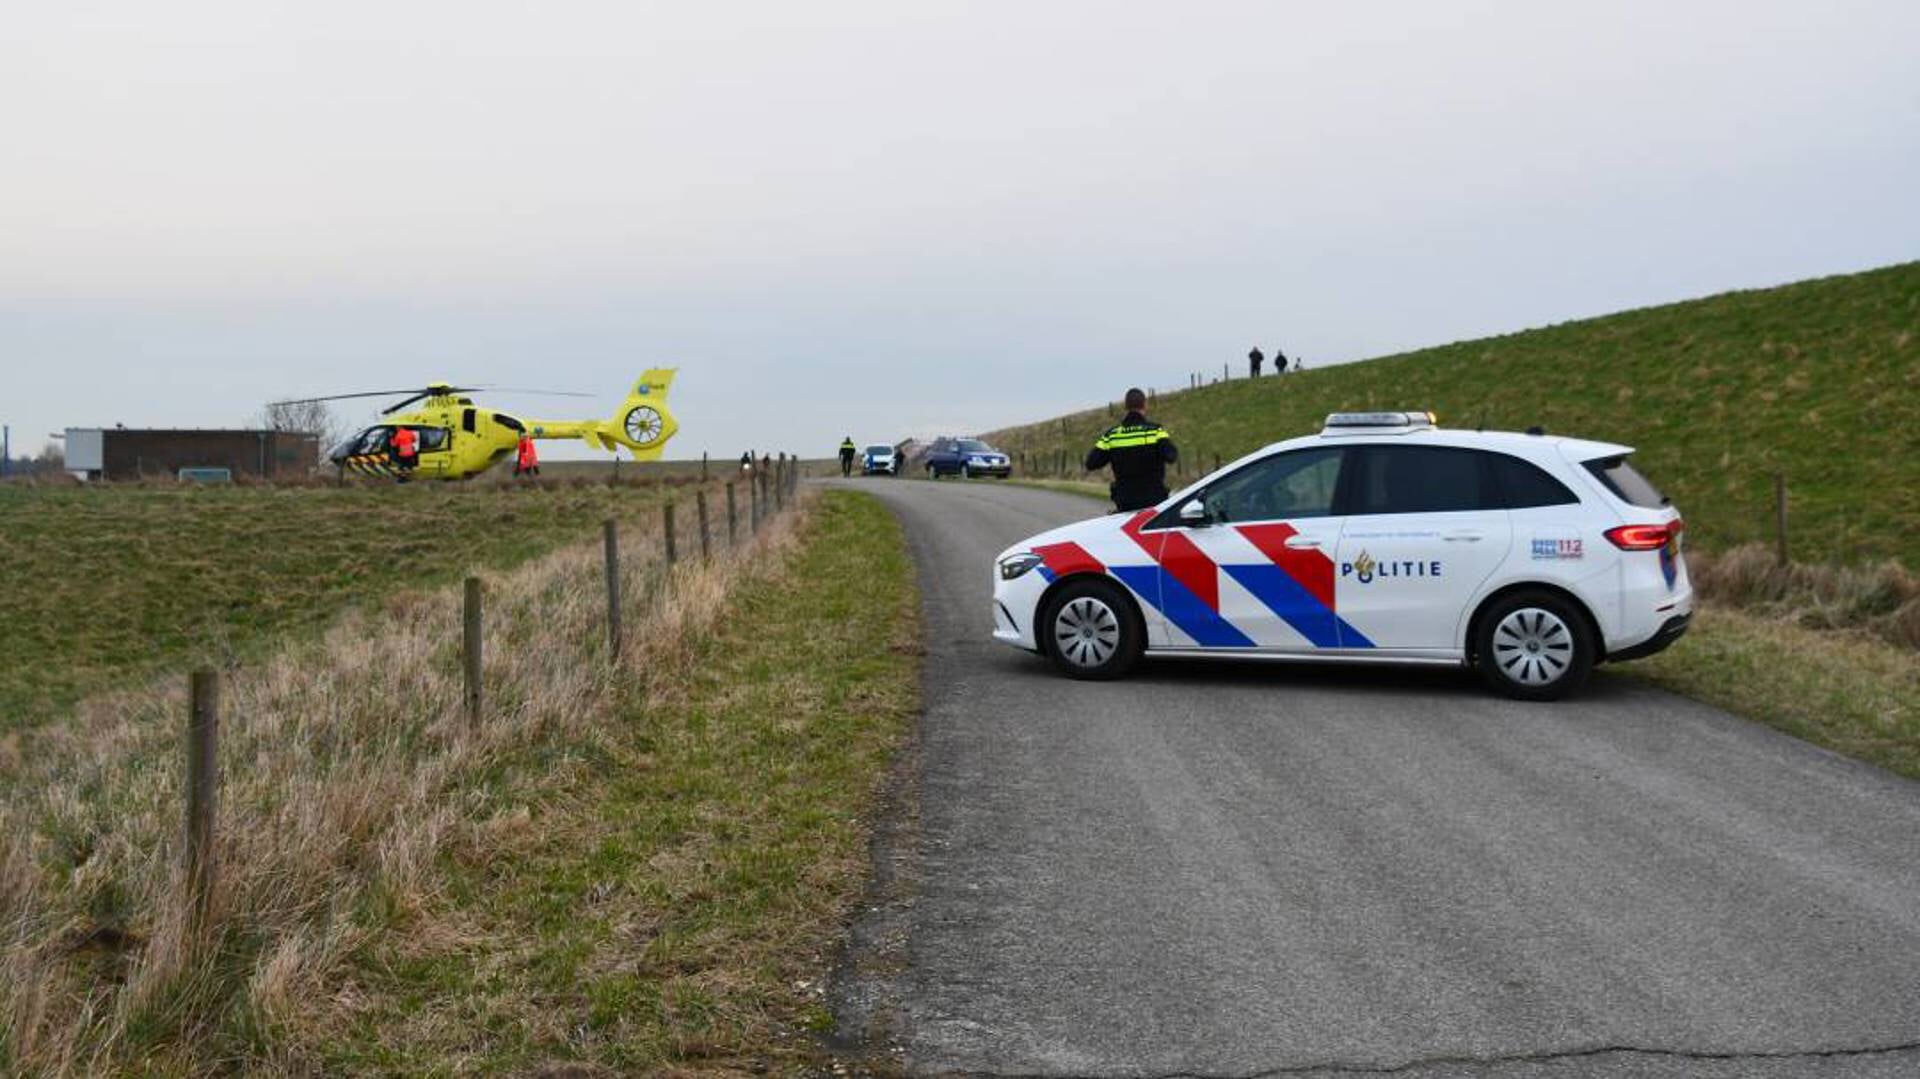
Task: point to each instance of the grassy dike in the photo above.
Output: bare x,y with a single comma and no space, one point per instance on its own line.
664,897
1814,380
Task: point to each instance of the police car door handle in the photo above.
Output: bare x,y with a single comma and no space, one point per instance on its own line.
1301,543
1466,535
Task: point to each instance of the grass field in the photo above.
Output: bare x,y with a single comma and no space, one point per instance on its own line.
629,863
104,584
1819,380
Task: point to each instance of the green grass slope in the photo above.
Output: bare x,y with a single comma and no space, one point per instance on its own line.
107,584
1819,380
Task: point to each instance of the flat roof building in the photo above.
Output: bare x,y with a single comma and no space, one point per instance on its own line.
128,453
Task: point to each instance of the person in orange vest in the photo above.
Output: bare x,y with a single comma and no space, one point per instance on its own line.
528,463
406,449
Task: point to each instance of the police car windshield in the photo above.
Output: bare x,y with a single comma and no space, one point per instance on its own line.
879,451
971,445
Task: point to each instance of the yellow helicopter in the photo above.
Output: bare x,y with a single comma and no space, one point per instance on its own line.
457,439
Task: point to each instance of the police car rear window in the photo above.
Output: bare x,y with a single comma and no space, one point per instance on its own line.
1626,482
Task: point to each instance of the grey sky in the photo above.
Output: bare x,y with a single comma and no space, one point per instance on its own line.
885,217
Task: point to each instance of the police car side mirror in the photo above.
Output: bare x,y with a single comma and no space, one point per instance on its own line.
1195,513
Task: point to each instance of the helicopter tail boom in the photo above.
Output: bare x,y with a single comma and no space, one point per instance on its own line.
643,422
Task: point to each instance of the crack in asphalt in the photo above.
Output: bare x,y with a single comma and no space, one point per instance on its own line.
1541,1057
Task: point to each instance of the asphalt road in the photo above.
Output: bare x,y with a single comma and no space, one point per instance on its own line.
1219,869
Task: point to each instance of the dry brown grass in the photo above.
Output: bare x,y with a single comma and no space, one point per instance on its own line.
1881,598
346,765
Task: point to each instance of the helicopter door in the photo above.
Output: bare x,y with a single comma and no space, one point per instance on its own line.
433,447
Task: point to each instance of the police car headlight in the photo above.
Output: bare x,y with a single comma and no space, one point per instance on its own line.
1018,565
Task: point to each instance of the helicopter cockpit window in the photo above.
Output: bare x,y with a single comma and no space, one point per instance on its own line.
371,440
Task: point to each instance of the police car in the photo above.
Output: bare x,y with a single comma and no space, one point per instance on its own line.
879,460
1384,538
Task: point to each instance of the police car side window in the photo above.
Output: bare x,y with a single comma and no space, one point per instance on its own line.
1523,484
1287,485
1420,479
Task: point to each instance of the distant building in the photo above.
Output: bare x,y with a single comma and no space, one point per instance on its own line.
127,453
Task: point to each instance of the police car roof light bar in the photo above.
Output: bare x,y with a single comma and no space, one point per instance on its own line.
1400,420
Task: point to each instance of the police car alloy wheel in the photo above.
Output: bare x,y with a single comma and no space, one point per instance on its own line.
1534,646
1091,631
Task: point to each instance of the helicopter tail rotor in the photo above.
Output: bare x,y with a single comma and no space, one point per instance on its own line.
643,423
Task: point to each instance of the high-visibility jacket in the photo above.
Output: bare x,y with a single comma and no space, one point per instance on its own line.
528,458
1139,451
405,442
848,448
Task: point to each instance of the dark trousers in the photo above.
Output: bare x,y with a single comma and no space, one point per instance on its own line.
1129,497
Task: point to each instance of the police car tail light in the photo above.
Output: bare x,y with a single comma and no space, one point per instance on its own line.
1642,537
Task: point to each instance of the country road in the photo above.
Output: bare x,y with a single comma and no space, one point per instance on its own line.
1218,869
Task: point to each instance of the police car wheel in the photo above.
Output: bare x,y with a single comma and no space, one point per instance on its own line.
1092,631
966,472
1534,646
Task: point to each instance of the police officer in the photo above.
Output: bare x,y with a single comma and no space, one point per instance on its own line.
1254,359
1139,451
847,450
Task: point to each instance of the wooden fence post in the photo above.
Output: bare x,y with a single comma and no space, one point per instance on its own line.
1216,462
612,529
733,518
706,542
1780,515
203,777
470,648
703,466
673,553
779,482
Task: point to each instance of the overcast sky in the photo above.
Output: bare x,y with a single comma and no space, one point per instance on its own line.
896,217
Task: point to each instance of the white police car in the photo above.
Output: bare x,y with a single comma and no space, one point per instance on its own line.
879,460
1384,538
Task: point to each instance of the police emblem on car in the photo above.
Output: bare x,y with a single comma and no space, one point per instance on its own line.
1383,537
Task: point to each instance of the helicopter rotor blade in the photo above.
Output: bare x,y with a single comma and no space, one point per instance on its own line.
342,397
413,394
542,393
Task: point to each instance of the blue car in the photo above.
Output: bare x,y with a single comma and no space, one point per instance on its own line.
966,458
